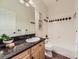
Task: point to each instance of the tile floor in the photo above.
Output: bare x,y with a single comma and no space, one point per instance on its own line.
57,56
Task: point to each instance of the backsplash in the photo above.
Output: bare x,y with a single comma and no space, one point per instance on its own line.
23,37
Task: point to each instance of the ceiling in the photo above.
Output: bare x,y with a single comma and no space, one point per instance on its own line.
49,2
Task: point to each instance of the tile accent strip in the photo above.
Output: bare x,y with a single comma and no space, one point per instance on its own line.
61,19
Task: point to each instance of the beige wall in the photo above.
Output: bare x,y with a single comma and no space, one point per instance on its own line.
62,34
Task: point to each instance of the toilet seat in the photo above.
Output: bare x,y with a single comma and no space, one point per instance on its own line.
48,48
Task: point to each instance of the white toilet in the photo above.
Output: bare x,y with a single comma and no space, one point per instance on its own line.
48,48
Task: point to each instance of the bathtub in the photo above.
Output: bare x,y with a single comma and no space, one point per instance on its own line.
62,51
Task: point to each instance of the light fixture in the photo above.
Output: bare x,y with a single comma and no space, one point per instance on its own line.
21,1
26,2
30,1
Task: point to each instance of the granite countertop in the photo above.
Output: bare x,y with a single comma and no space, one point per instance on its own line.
20,46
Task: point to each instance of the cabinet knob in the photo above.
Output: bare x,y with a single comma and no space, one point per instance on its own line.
40,45
32,57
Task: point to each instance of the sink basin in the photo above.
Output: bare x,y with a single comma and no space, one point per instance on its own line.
35,39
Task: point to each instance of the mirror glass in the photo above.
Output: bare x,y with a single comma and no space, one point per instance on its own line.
16,18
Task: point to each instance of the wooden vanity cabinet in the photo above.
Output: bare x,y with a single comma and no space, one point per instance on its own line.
23,55
35,55
36,52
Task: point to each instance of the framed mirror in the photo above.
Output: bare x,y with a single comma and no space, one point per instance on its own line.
16,18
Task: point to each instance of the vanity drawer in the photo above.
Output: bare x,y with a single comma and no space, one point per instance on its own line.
37,47
21,55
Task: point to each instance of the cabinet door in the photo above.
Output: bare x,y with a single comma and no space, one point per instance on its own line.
42,51
27,57
36,55
38,51
42,54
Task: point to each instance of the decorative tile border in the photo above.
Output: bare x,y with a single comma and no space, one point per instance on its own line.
61,19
